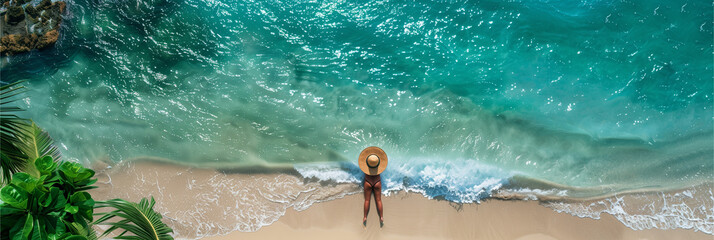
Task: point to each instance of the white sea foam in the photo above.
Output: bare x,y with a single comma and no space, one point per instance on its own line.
339,172
466,181
462,181
531,194
688,209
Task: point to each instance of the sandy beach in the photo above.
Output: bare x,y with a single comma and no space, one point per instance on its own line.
211,205
411,216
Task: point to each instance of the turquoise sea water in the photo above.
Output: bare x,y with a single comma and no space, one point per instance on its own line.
589,97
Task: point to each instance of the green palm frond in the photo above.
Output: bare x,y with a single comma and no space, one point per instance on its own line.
12,131
139,219
12,160
39,143
77,229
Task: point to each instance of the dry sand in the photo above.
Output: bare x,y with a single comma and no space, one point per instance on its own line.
411,216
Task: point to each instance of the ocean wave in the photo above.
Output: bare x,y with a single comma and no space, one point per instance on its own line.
340,172
691,208
461,181
465,181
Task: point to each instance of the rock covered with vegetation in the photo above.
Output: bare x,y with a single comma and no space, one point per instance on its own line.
26,27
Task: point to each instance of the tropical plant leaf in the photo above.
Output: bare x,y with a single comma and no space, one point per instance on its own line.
25,181
75,173
45,165
77,229
75,237
10,90
14,196
12,159
139,219
27,228
70,236
38,143
10,164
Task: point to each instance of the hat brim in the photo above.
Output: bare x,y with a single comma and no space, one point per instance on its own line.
362,160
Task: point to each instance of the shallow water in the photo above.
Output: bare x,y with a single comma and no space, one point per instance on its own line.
591,97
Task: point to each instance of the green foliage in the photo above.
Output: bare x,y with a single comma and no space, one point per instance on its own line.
45,201
78,229
21,139
53,206
139,219
14,196
12,130
57,206
78,177
37,144
45,165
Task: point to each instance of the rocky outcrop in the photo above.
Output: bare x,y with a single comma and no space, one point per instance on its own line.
26,27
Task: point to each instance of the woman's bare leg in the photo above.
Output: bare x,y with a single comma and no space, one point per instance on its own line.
367,193
378,200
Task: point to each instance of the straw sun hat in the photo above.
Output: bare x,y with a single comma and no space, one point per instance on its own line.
372,161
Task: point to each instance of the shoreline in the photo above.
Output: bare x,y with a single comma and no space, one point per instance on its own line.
200,203
412,216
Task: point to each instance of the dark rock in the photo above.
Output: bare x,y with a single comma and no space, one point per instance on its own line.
15,28
48,39
13,44
55,13
32,11
15,38
44,5
61,6
15,14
